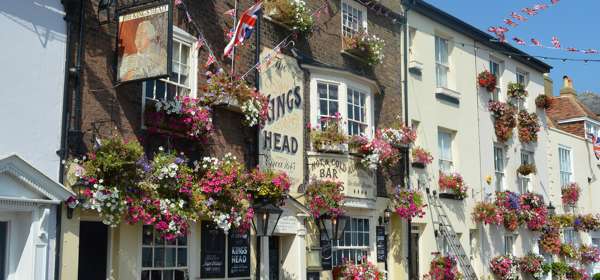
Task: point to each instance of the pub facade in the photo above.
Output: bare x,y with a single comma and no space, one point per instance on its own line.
320,89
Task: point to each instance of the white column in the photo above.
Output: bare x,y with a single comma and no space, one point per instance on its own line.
300,247
264,258
41,242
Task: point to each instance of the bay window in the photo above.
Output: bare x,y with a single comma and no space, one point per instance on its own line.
349,99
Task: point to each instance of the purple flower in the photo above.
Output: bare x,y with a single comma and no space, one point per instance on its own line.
178,160
514,201
145,164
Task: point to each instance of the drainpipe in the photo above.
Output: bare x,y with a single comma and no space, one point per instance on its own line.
262,268
407,5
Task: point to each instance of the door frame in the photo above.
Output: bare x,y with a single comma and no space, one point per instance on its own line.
109,243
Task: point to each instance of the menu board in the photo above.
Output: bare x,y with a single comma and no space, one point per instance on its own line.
326,263
212,248
381,242
239,254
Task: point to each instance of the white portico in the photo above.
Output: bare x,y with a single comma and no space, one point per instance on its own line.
28,211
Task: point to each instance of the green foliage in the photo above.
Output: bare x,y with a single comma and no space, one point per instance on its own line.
596,276
115,162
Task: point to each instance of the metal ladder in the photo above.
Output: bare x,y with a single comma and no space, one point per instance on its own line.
447,232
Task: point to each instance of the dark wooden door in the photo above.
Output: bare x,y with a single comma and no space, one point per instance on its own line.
3,253
93,244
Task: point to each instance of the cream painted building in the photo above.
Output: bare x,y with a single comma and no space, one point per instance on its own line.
450,113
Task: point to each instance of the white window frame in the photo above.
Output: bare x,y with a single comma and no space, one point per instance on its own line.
187,39
356,248
499,172
525,181
569,236
441,65
512,239
522,105
565,168
591,128
494,62
187,268
343,84
442,161
360,8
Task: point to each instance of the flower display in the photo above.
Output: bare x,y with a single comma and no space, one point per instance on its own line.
487,213
531,264
421,156
504,119
363,45
529,126
221,192
325,198
504,267
559,269
408,204
574,273
453,183
526,169
533,211
543,101
363,270
184,115
569,251
375,152
444,268
268,186
516,91
221,88
399,135
570,194
328,134
550,241
587,222
487,80
291,13
589,254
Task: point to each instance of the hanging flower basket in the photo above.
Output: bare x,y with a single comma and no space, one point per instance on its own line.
408,204
487,80
454,184
533,211
531,264
529,126
420,157
504,119
293,14
574,273
268,186
325,198
375,152
443,268
328,136
399,136
587,222
543,101
365,46
363,270
550,242
516,91
568,251
504,267
183,116
589,254
526,169
486,213
570,194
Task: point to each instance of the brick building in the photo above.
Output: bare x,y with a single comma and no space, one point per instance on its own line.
313,76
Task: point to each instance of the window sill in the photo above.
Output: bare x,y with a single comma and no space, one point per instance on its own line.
418,165
447,95
332,149
415,67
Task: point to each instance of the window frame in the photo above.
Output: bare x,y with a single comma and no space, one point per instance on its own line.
343,85
511,250
569,236
183,37
570,171
365,248
187,269
500,183
441,160
525,181
591,128
440,64
495,96
363,25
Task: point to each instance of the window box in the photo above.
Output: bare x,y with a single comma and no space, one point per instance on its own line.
332,148
415,67
418,165
450,196
291,15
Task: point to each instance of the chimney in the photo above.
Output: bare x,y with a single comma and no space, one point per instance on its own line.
567,88
548,85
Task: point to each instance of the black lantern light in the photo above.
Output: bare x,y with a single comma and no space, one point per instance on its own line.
387,215
551,209
333,226
79,190
266,216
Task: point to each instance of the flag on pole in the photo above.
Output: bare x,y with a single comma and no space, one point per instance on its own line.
596,144
200,43
555,42
243,29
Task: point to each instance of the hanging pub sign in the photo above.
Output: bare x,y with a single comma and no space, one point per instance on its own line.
144,42
239,254
212,251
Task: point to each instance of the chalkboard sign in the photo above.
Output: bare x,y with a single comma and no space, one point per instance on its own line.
326,255
239,254
212,248
381,239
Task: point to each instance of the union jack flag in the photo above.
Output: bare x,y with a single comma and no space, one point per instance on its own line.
596,143
243,29
529,11
555,42
518,17
518,41
554,2
535,42
510,22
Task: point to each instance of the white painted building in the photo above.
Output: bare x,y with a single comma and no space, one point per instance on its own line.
34,36
450,112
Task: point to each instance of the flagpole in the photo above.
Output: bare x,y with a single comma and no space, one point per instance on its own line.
235,8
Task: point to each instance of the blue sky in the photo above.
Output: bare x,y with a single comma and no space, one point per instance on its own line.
574,22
